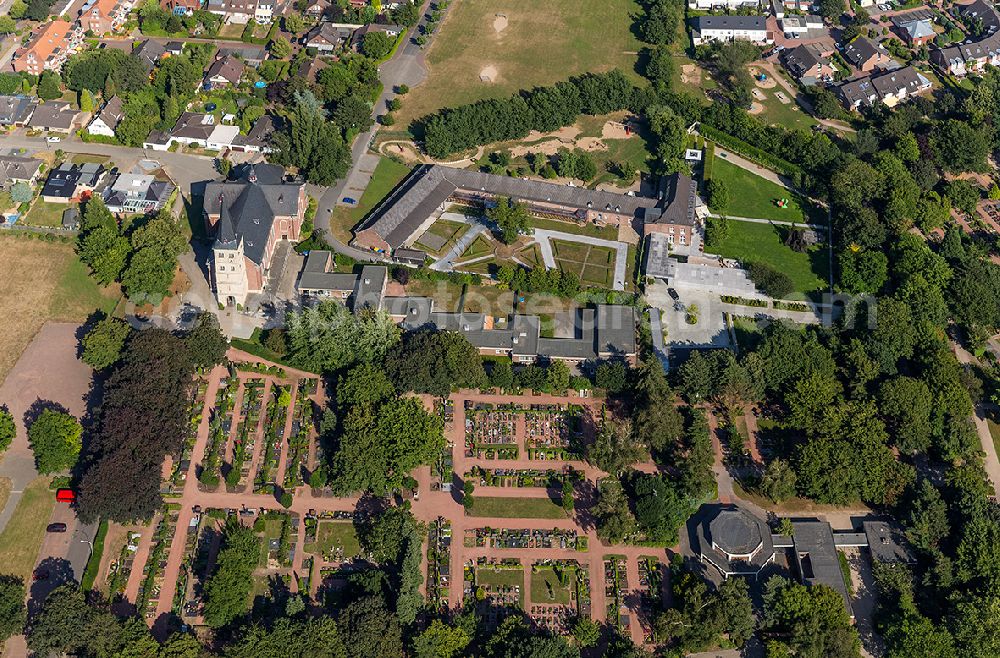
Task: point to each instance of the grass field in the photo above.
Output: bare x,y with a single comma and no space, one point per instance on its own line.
43,213
748,241
388,174
444,231
789,115
480,247
514,508
748,332
753,196
42,281
542,44
332,534
590,230
547,590
594,265
994,432
25,531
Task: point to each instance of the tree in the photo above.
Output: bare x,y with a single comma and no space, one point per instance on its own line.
49,86
38,10
719,196
906,404
434,362
103,344
925,516
615,521
964,196
440,641
311,143
329,337
227,590
586,631
468,495
511,217
86,101
65,623
614,449
294,23
7,25
660,509
376,44
611,376
502,375
56,439
770,281
18,9
778,480
205,342
280,47
13,613
8,430
20,192
813,619
370,630
557,376
975,140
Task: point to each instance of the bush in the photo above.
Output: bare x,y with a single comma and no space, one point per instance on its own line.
719,195
770,281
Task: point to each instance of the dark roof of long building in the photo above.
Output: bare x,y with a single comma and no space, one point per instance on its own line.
817,555
401,213
678,195
731,23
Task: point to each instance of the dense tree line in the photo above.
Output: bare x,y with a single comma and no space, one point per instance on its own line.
227,590
142,417
544,109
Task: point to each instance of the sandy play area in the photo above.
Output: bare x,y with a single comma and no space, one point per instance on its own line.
488,74
691,74
755,108
499,23
769,83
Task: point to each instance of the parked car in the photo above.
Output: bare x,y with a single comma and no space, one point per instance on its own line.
52,139
65,495
673,294
56,527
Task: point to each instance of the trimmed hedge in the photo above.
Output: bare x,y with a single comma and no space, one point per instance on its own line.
750,151
94,563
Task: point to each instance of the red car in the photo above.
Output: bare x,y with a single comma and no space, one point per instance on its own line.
65,495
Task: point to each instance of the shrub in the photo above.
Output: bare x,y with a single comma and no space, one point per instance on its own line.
770,281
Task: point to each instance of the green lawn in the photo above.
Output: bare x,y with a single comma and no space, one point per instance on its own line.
43,213
480,247
387,175
541,44
547,590
594,265
25,531
748,241
591,230
789,115
994,432
332,534
447,231
83,158
516,508
748,332
753,196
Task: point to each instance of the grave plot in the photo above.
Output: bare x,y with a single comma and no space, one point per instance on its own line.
152,583
439,563
298,440
199,562
553,431
334,541
276,531
560,591
489,432
274,430
238,474
121,567
523,477
496,586
220,423
615,586
182,459
651,572
523,538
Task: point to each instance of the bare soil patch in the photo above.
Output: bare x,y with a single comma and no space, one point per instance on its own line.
691,74
488,74
500,23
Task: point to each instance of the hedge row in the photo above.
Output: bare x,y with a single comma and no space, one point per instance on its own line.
750,151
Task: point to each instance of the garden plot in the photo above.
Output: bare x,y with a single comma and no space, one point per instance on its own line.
120,567
274,431
199,562
334,541
181,460
524,538
650,603
238,473
615,586
275,530
552,430
497,585
299,438
152,583
595,265
491,433
560,592
439,563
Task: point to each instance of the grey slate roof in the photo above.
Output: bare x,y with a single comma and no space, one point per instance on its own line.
229,67
886,542
53,115
801,59
250,54
860,51
64,179
401,213
893,82
149,52
251,209
615,330
15,109
112,113
679,195
260,133
817,557
370,287
15,168
731,23
980,9
191,125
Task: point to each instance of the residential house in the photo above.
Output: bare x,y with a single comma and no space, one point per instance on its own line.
223,137
174,48
328,37
248,217
796,27
136,193
258,140
317,8
250,54
71,182
181,7
809,64
866,56
224,72
54,116
16,110
50,44
780,7
157,140
981,13
242,11
193,129
104,16
675,215
602,332
891,88
108,118
916,28
309,68
15,169
705,5
731,28
150,53
968,57
391,31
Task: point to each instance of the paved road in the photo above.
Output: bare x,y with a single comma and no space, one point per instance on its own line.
758,220
542,237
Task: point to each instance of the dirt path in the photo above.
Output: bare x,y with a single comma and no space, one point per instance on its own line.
992,462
